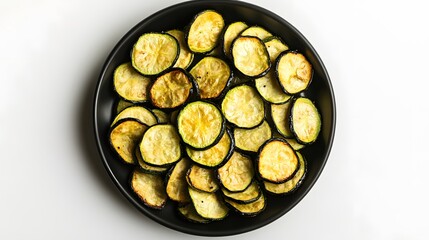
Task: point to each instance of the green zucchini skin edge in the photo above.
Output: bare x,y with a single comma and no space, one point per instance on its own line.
291,124
274,125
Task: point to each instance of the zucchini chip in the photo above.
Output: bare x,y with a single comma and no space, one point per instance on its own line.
129,84
124,137
205,31
280,114
160,145
237,173
200,124
243,107
305,120
275,46
154,53
277,161
185,55
208,205
256,31
189,213
248,209
171,90
295,144
250,194
251,139
216,155
121,105
232,31
140,113
146,167
250,56
270,90
149,188
177,187
202,179
293,183
161,116
294,72
212,75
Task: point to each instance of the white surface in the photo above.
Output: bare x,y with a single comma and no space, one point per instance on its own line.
53,185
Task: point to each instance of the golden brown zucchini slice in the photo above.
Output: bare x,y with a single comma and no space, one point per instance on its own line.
189,213
124,137
154,53
200,124
203,179
275,46
251,139
177,187
146,167
171,89
250,56
212,76
256,31
161,116
277,161
280,114
237,173
140,113
270,90
293,183
216,155
160,145
185,55
243,107
294,72
149,188
232,31
129,84
205,31
305,121
248,209
208,205
250,194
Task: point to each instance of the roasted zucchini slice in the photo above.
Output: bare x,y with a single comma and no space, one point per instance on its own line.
129,84
200,124
305,121
251,139
203,179
160,145
189,213
232,31
208,205
275,46
149,188
212,75
161,116
216,155
294,72
205,31
154,53
277,161
140,113
280,114
293,183
250,56
171,89
250,194
270,90
248,209
124,137
177,187
243,107
146,167
256,31
237,173
295,144
121,104
185,55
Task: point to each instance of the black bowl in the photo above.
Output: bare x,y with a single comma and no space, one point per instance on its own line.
178,16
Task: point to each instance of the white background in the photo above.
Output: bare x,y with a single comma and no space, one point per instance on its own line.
374,186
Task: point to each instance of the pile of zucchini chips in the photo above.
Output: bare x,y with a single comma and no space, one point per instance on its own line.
212,117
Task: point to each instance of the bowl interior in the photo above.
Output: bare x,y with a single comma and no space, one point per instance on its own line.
176,17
